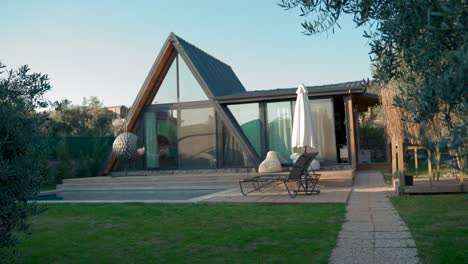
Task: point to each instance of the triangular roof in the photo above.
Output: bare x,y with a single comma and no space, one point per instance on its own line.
214,76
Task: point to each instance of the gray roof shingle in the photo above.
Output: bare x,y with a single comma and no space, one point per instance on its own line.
218,76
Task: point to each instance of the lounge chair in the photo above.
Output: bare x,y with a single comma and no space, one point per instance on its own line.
306,182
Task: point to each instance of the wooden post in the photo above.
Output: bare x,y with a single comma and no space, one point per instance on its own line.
401,164
352,132
394,164
416,160
429,166
388,147
461,165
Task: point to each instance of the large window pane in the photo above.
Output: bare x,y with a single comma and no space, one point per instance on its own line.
167,138
279,129
151,142
233,156
324,124
197,138
189,88
167,92
161,139
248,118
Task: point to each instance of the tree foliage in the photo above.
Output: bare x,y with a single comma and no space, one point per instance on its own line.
90,118
21,148
421,44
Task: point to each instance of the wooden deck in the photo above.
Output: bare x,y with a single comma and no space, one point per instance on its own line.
335,187
444,185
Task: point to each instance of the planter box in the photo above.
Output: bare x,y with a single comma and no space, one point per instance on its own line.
408,180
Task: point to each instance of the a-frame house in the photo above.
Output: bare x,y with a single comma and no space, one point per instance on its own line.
213,77
192,112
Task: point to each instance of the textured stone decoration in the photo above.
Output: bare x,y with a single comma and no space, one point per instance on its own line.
271,163
125,147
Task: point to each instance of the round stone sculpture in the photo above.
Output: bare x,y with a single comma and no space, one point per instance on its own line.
271,163
125,147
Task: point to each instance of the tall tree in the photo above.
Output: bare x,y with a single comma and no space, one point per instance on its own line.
21,149
419,43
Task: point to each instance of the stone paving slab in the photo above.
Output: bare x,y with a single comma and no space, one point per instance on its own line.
392,235
395,255
352,256
356,234
395,243
357,226
355,243
373,231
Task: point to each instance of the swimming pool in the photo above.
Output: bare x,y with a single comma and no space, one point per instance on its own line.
126,195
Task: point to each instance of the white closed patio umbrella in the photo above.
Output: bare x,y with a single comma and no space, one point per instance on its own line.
303,133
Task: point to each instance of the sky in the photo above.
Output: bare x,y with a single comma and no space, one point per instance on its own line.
106,48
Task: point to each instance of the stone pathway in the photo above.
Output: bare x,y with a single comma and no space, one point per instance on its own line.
373,231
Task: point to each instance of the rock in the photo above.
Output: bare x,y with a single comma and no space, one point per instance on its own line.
315,165
271,163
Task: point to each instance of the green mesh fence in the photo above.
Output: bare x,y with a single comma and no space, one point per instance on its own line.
76,147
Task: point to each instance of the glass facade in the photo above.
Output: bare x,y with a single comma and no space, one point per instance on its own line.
167,92
279,120
197,138
151,142
180,129
248,118
161,139
233,156
179,85
189,88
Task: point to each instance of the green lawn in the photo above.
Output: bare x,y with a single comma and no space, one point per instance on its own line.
439,225
387,177
48,187
136,233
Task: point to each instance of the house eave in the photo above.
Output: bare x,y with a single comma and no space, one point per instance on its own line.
286,95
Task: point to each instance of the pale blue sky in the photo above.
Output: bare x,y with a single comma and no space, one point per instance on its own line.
106,48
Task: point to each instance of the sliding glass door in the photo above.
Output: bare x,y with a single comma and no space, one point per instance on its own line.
197,138
180,137
160,132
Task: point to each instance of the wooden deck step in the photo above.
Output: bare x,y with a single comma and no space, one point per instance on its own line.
328,178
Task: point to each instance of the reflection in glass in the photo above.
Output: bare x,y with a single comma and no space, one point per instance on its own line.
161,139
248,118
189,88
167,92
279,129
233,156
197,138
324,124
151,142
167,138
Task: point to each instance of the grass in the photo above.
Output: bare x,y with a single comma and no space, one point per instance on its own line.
387,177
438,224
48,187
136,233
